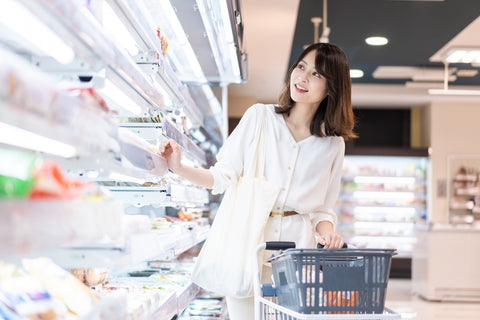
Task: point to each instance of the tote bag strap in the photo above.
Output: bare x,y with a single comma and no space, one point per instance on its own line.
257,167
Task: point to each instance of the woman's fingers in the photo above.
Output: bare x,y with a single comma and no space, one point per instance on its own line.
332,240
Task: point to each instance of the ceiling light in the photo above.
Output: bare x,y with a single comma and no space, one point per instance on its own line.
376,41
356,73
462,55
467,73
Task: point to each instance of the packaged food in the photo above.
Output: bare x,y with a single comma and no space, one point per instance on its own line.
62,285
16,178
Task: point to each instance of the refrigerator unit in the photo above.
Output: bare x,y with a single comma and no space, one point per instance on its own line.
381,200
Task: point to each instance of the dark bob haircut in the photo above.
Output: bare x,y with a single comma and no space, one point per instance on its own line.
335,111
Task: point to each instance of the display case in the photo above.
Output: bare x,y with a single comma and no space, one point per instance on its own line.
381,200
88,90
463,189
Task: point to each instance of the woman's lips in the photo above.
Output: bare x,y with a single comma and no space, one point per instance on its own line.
300,89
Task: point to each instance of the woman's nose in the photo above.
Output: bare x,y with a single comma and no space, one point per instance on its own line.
302,77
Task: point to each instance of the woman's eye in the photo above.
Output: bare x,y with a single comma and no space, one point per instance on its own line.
316,74
301,67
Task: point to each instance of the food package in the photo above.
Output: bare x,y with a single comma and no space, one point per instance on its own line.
62,285
51,182
16,178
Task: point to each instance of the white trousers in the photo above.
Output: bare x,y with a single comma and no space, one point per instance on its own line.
241,309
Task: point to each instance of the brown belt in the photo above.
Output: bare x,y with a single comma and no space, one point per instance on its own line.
283,213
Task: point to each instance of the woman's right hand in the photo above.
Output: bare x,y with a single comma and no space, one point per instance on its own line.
171,151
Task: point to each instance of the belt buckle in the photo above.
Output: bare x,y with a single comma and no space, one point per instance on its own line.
281,213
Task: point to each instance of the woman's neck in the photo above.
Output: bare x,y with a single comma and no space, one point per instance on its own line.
301,116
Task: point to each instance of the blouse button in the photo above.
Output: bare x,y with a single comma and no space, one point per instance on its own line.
289,168
294,147
276,230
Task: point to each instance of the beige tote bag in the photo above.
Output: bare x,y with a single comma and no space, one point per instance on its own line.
225,263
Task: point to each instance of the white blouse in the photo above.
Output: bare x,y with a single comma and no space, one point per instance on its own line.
308,171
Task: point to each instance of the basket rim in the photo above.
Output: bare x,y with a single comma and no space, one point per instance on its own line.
343,252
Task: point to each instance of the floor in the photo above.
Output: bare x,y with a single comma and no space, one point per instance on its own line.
410,306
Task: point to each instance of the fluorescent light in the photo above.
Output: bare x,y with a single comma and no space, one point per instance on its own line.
454,92
117,30
22,22
376,41
376,179
16,136
462,55
120,98
356,73
384,195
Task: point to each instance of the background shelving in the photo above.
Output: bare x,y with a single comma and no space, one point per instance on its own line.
381,200
463,190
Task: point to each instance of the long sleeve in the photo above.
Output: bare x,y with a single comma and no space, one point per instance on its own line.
325,212
231,157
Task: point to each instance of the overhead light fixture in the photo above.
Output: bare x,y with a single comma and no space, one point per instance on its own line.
462,55
356,73
446,91
19,20
116,29
22,138
376,41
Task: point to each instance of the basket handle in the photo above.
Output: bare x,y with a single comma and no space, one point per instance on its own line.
320,246
279,245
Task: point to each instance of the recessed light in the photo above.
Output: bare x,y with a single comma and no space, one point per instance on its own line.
356,73
376,41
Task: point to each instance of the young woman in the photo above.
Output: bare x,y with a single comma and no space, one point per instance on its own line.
305,146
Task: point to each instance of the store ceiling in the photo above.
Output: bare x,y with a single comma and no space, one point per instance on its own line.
418,32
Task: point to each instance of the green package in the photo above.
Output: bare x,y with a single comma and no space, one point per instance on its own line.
16,168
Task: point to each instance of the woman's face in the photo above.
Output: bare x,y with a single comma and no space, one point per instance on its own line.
307,86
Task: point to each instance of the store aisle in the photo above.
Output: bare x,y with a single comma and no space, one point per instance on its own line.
401,299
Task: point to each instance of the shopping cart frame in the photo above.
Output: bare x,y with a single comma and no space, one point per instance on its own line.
262,304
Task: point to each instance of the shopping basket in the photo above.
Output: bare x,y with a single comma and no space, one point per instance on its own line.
327,284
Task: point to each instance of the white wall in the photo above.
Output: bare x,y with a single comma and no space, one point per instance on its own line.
454,130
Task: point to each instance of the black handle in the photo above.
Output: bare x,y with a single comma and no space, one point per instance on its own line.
320,246
279,245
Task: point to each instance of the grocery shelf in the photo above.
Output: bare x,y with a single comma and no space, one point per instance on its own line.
37,105
139,196
156,244
132,14
89,41
185,295
108,308
28,226
148,131
166,130
188,145
165,309
171,194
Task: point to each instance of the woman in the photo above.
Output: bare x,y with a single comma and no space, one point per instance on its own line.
305,147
